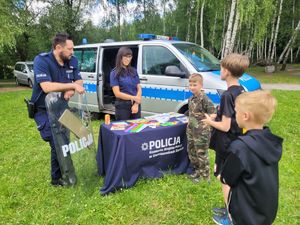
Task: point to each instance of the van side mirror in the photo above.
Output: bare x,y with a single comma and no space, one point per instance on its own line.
174,71
24,71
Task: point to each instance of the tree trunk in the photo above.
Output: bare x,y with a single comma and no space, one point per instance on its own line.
213,35
297,53
272,33
276,32
197,19
234,31
201,24
289,46
189,15
119,18
164,17
229,28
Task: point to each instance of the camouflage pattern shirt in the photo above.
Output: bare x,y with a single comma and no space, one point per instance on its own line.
198,106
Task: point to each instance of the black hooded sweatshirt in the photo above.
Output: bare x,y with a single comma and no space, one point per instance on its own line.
251,171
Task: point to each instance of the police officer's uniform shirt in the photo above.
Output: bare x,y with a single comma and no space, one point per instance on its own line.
127,82
220,140
47,69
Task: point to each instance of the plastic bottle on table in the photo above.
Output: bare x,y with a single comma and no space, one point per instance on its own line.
107,119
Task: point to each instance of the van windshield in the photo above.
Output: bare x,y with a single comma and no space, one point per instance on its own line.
199,57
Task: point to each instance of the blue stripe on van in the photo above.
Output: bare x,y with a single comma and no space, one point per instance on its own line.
164,94
161,93
90,88
246,80
174,94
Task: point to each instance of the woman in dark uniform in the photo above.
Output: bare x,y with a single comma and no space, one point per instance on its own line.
125,84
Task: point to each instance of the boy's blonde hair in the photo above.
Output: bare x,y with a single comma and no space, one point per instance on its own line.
196,77
236,64
261,104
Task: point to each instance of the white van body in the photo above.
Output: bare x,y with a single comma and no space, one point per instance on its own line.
162,91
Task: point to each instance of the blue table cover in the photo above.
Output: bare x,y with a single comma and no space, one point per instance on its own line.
123,157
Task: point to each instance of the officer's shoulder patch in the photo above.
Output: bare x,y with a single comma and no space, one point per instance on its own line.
44,54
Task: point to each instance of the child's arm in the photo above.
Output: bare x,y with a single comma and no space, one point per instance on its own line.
223,125
231,170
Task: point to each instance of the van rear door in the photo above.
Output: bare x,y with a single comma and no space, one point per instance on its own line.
92,78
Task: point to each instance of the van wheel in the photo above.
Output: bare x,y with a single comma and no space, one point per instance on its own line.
30,83
17,82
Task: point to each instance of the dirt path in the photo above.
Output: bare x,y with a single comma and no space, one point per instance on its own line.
9,86
290,87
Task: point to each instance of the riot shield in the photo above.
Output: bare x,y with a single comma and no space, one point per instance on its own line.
73,138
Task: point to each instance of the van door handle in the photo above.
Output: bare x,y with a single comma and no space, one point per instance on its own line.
90,76
143,79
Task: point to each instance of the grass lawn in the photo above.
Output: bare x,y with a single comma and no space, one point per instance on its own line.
290,76
27,197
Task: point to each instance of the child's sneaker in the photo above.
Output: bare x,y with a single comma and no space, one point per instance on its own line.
194,175
222,220
219,211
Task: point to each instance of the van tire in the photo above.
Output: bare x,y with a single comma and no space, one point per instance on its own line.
30,83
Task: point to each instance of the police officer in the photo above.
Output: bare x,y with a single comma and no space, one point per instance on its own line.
56,71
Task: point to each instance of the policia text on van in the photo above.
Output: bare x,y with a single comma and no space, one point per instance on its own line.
163,66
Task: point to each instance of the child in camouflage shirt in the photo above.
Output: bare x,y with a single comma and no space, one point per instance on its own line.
198,133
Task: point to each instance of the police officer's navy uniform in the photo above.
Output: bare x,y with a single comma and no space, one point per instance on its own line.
46,68
128,84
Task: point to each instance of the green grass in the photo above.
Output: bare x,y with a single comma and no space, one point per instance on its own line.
27,198
290,76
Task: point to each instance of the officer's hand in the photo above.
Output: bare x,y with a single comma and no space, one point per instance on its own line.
137,99
78,88
134,108
68,94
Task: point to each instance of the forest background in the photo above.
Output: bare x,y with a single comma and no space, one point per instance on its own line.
265,30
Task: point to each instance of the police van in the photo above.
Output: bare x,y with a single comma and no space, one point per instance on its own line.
163,64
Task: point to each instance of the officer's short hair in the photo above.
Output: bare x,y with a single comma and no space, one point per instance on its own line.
196,77
261,104
236,64
60,39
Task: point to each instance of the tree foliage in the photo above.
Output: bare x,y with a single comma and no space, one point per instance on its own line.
26,31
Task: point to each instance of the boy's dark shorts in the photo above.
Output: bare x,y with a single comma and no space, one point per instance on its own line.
219,163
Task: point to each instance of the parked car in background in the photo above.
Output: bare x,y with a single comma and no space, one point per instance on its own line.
23,73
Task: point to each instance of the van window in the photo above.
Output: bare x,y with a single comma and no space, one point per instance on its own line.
156,59
86,59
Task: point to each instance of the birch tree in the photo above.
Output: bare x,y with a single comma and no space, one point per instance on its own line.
288,47
201,24
276,32
229,29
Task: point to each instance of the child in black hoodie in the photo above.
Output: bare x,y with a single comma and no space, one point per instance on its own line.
251,170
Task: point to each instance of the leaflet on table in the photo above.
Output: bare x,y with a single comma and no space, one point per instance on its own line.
183,119
121,123
141,120
128,129
138,128
168,124
118,127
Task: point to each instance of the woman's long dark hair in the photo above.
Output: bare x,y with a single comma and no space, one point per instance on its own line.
120,70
